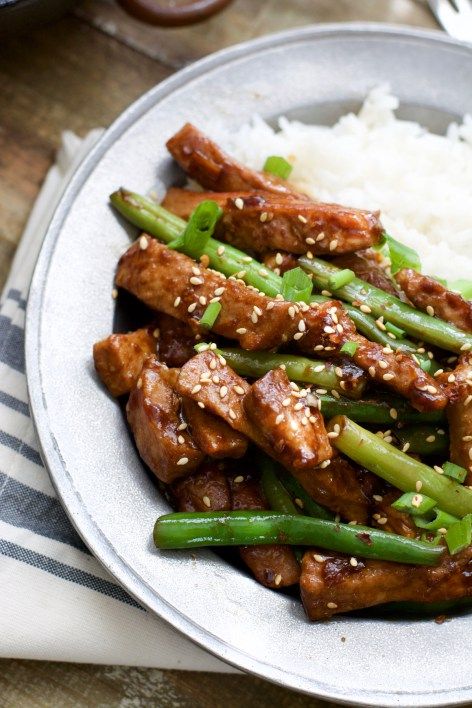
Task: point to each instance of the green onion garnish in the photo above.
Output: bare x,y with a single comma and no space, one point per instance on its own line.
454,471
296,285
278,166
459,535
414,504
339,280
393,329
464,287
402,256
440,520
200,228
349,348
211,313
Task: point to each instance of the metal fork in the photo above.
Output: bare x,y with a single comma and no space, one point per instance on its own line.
455,16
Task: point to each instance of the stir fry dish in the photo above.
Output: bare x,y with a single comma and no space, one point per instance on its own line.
301,391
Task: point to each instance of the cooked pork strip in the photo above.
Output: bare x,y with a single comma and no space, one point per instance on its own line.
459,413
263,221
366,266
296,433
153,412
207,489
213,169
334,585
274,566
338,487
212,435
119,358
176,341
171,282
425,292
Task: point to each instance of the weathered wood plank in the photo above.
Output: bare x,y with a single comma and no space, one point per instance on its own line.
242,20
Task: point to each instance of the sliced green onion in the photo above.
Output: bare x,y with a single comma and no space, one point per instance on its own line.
414,503
454,471
349,348
463,287
393,329
200,227
402,256
296,285
210,315
459,535
440,520
339,280
278,166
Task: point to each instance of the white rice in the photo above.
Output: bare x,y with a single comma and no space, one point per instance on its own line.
422,183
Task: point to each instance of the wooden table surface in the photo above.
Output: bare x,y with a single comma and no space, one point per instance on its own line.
80,73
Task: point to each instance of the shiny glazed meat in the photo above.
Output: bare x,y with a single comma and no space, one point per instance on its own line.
153,412
330,585
212,435
366,267
207,489
176,341
119,358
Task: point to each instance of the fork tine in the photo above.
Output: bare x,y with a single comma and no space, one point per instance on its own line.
463,6
457,23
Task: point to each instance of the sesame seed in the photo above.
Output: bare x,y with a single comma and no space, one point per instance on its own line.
238,479
470,453
220,250
191,308
377,497
182,461
270,305
301,218
286,402
291,311
388,377
302,326
143,242
299,502
195,270
277,579
467,438
298,406
320,236
438,372
180,439
309,255
219,291
114,293
382,521
325,464
232,414
200,404
380,324
383,364
391,335
318,558
333,434
196,388
335,393
213,364
216,379
338,371
418,485
254,318
331,605
206,501
257,310
177,301
353,561
310,241
196,281
365,308
139,383
468,400
223,391
279,418
326,293
431,438
442,530
333,244
438,469
318,368
329,330
182,426
430,310
387,350
451,378
283,367
241,330
240,390
393,413
406,447
417,499
431,389
202,300
238,203
298,335
465,347
372,370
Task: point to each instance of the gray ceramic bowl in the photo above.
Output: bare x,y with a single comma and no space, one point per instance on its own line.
315,73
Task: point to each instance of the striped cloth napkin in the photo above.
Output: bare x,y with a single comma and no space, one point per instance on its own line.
58,603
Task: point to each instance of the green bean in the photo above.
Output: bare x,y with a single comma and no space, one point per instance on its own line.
401,470
298,368
247,528
274,491
376,410
423,439
300,495
417,324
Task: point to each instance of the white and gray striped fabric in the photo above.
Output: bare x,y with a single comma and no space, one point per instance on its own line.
58,603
